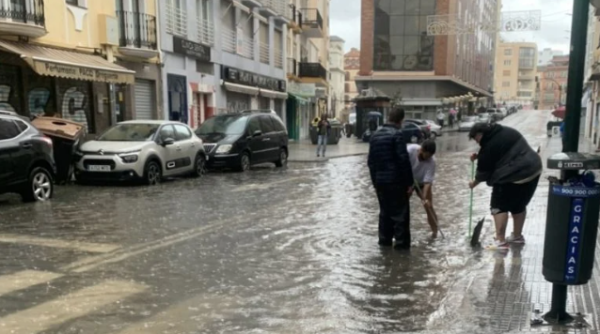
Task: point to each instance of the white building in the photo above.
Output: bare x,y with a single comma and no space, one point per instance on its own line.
545,56
222,56
337,76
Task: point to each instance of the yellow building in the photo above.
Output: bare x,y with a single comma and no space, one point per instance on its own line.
68,58
515,72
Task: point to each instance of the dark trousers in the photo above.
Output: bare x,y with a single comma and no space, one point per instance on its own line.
394,215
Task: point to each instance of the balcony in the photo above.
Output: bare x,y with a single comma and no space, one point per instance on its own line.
312,23
292,68
176,20
137,34
206,33
241,45
273,8
295,18
278,58
22,18
314,72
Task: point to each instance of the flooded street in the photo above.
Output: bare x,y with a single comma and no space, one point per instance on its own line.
268,251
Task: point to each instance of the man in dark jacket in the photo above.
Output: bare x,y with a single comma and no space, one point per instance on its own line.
512,168
391,174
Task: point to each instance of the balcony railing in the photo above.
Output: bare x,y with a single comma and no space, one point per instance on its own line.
278,58
294,15
264,53
137,30
312,70
23,11
311,17
292,67
176,20
206,33
230,43
278,6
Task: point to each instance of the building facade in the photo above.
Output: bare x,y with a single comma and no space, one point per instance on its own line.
351,66
545,56
553,83
515,72
337,76
222,56
61,58
307,65
399,58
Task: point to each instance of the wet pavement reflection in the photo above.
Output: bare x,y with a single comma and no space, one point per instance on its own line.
270,251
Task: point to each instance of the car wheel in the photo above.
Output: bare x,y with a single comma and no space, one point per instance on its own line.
152,173
199,166
283,158
39,187
244,162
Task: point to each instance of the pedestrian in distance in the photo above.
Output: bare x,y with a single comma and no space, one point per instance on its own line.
423,165
323,130
392,178
510,166
440,118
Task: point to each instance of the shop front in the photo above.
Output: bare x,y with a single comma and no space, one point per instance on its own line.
244,90
298,109
42,81
143,98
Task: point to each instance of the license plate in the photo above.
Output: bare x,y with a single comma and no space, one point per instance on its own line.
99,168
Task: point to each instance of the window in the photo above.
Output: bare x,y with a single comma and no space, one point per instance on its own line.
277,123
506,73
506,84
266,125
253,125
8,129
21,125
401,42
79,3
508,52
524,94
167,132
182,133
507,62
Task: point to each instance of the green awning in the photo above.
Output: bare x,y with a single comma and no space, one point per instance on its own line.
299,99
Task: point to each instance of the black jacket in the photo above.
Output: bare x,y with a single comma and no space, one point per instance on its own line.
506,157
388,160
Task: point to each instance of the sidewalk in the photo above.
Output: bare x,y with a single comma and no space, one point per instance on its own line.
502,291
305,151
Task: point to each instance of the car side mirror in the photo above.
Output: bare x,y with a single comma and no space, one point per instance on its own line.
168,141
257,133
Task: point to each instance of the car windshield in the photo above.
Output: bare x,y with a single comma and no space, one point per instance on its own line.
224,124
130,132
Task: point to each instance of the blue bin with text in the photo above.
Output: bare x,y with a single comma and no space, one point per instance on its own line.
571,231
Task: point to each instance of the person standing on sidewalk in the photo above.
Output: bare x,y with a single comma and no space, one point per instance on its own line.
392,178
423,168
323,130
512,168
440,118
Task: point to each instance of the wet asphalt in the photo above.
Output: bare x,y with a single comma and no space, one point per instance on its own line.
290,250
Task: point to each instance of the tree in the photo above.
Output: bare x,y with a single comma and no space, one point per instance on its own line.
396,99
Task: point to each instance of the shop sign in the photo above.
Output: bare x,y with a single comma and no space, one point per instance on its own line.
574,241
191,49
234,75
81,73
302,89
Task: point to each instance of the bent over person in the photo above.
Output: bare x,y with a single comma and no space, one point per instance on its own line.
391,174
512,168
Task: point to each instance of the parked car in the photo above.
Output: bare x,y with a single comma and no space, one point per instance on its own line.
485,118
141,150
436,129
425,127
412,133
26,161
241,140
467,123
495,114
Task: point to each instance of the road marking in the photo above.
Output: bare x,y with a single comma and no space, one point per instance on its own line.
57,243
68,307
24,279
186,317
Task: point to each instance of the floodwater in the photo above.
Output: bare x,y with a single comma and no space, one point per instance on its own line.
270,251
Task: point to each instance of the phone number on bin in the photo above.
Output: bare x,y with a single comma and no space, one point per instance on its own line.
575,191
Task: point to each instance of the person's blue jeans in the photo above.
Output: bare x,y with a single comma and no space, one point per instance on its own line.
322,144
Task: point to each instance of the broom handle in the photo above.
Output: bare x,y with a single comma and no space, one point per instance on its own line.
471,200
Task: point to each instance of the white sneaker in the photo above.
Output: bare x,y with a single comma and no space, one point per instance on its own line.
498,245
513,240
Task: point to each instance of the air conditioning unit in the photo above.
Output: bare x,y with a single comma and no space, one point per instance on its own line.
108,28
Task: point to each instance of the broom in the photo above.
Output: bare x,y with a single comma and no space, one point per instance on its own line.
479,226
429,211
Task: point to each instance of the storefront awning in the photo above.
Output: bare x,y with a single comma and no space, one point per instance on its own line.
249,90
69,64
300,99
273,94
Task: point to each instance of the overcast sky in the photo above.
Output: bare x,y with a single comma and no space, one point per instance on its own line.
554,33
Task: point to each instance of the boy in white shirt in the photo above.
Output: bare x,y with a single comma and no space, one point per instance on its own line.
423,167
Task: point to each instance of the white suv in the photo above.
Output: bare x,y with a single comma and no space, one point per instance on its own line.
146,150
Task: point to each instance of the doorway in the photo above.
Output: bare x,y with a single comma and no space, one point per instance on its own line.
178,105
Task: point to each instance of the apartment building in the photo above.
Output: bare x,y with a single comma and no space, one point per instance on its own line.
546,55
307,64
223,56
337,76
351,68
78,59
516,70
552,80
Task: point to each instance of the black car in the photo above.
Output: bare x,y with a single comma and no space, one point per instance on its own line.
412,133
26,162
244,139
425,127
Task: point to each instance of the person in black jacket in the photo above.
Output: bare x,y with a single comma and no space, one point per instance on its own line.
391,175
512,168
